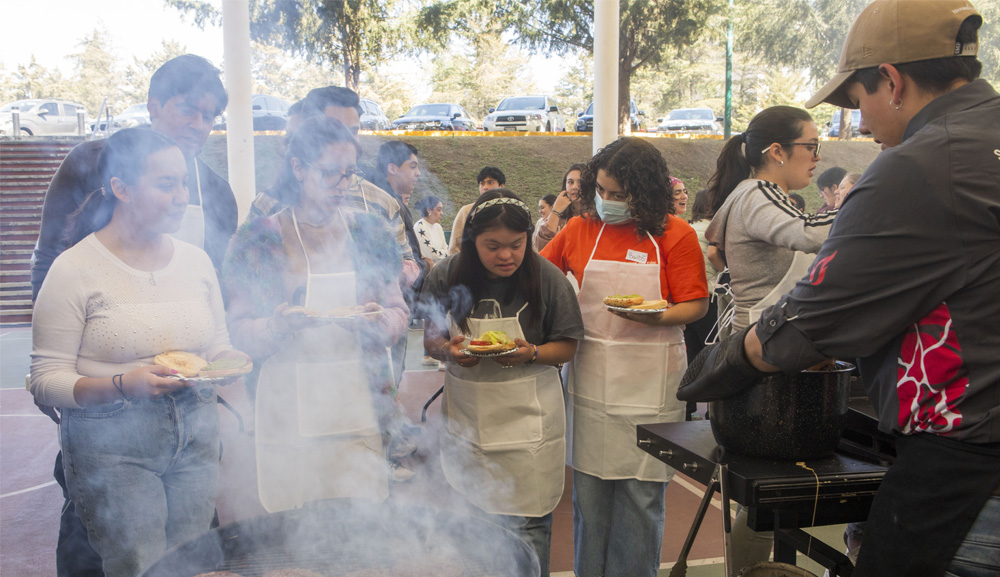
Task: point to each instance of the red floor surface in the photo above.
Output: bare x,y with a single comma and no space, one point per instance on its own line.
30,502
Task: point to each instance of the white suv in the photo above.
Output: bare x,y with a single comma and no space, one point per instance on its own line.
525,114
46,116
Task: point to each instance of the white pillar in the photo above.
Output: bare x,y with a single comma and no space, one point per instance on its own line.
605,73
239,117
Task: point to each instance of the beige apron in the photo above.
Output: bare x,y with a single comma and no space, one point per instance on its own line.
798,269
192,228
624,373
317,433
505,430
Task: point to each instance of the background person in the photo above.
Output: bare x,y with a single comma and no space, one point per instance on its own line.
680,194
505,426
545,210
923,282
140,450
845,187
433,246
827,183
325,392
489,177
798,201
564,208
627,242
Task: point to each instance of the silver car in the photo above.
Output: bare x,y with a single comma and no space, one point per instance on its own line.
690,121
42,116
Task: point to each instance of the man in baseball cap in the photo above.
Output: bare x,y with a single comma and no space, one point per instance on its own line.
907,284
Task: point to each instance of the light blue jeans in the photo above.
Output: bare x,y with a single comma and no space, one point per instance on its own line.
617,526
979,553
143,474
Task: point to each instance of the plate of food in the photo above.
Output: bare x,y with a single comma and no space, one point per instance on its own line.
490,344
347,312
635,304
191,367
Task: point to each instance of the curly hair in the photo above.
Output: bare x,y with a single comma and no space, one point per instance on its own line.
639,168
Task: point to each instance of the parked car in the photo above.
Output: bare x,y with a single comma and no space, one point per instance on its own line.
691,121
526,114
42,116
585,120
372,117
269,113
435,117
135,115
833,127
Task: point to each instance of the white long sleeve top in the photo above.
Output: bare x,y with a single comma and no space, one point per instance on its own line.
95,316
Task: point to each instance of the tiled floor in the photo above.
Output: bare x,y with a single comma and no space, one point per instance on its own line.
30,501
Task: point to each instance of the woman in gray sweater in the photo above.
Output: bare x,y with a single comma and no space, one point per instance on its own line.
768,243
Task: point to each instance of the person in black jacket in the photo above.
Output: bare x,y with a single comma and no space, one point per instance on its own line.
185,97
911,293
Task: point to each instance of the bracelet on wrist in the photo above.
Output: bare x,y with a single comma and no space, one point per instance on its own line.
534,357
274,335
558,213
116,380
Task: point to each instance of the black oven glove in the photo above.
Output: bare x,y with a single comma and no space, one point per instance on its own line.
720,370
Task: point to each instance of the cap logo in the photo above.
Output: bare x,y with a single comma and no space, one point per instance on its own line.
867,51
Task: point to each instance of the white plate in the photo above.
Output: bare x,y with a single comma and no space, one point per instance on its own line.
486,355
203,380
334,317
636,311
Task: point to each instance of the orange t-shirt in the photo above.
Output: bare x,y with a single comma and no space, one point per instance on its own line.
682,270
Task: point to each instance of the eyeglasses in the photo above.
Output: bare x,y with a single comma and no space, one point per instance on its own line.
338,175
812,147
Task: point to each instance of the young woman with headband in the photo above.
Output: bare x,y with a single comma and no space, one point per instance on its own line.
503,438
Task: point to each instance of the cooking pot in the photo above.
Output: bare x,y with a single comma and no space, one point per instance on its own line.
342,537
785,417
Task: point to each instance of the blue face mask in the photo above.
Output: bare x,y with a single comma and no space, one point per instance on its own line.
612,211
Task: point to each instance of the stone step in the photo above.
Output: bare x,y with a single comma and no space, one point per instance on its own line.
15,294
10,263
16,276
15,317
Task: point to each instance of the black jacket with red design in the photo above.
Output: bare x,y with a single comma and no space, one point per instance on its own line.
908,281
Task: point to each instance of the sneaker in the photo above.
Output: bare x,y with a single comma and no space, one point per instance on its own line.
400,474
430,361
400,448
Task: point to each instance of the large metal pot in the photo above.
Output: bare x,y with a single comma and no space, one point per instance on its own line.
340,538
785,417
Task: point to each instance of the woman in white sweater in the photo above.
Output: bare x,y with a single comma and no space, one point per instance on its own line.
140,447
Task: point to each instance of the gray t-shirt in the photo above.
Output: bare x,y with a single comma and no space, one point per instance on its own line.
560,311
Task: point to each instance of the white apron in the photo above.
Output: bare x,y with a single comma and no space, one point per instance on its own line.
624,374
192,228
798,269
505,430
317,431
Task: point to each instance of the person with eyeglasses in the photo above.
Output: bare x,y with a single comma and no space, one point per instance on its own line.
767,243
314,298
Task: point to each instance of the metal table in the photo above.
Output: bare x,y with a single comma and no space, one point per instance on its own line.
781,495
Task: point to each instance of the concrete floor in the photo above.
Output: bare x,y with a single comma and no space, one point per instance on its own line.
30,501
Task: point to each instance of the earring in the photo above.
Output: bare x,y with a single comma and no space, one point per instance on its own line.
781,163
896,106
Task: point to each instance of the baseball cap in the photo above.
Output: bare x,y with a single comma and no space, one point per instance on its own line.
896,32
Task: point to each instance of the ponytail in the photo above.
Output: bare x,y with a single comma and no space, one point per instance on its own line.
93,215
777,124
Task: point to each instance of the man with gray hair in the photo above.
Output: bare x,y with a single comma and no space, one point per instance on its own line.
907,284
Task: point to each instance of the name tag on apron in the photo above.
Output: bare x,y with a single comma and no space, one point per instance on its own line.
636,256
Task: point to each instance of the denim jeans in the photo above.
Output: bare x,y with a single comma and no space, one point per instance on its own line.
979,553
142,474
617,526
535,531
